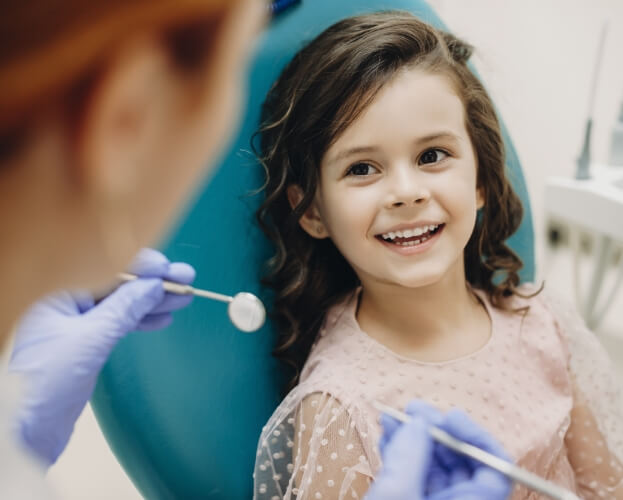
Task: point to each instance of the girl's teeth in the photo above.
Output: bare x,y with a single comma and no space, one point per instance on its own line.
413,243
408,233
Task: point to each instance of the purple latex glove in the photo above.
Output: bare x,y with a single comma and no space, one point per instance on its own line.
63,341
416,468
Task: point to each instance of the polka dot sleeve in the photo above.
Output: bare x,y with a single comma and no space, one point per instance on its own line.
313,447
595,437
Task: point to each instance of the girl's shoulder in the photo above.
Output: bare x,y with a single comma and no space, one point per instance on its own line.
312,439
535,301
545,302
549,310
317,426
532,318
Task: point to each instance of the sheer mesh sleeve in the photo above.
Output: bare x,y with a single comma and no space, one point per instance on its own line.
595,436
313,447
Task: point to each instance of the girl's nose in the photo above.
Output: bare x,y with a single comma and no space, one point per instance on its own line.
406,187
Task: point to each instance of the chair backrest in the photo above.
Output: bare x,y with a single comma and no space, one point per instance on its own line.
182,409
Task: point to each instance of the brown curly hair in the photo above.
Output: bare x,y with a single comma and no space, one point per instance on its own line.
317,96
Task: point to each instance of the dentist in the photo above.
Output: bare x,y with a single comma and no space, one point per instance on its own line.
108,112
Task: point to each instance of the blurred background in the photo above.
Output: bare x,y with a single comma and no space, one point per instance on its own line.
537,58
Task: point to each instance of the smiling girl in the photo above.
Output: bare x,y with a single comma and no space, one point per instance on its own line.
389,207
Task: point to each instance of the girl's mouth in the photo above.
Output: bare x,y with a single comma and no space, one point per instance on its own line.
411,237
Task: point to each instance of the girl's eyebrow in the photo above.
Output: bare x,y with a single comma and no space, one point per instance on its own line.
353,151
438,135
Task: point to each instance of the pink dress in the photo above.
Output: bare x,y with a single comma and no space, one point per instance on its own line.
542,385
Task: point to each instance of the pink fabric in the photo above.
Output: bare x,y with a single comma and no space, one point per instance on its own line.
517,385
521,386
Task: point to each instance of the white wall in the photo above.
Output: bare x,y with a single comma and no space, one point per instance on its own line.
536,57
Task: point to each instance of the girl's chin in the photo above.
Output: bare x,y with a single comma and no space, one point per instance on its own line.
413,282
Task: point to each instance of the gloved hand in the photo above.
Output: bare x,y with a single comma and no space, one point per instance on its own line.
416,468
63,341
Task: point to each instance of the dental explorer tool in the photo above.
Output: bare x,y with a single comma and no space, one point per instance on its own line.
245,310
509,469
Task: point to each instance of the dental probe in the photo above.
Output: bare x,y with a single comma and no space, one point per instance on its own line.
245,310
509,469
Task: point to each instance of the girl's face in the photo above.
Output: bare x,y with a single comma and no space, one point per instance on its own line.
397,192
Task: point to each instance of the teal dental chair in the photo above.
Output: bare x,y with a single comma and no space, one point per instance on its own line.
182,409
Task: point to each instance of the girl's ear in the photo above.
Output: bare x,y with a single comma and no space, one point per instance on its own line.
480,198
311,222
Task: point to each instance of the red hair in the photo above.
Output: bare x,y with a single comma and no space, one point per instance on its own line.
50,48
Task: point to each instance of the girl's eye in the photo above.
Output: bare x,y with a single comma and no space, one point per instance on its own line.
432,156
360,169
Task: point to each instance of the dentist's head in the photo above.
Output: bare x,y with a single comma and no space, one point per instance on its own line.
109,112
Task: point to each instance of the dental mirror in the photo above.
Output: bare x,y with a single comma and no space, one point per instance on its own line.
245,310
